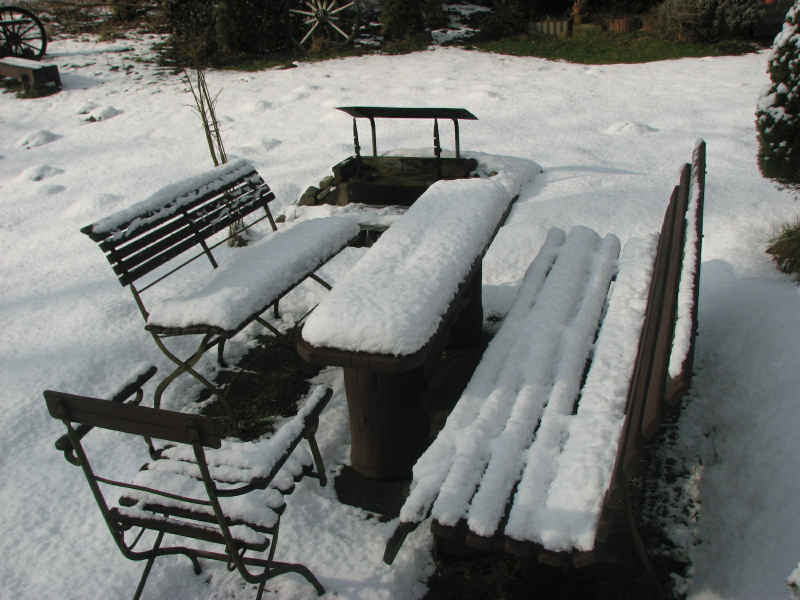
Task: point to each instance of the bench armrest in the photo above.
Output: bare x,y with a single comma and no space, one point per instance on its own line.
134,386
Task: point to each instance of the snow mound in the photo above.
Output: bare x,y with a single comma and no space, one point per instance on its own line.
270,143
37,138
87,108
101,113
629,128
40,172
794,582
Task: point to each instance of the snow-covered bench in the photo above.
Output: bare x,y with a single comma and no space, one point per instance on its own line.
418,288
537,456
216,499
154,246
35,76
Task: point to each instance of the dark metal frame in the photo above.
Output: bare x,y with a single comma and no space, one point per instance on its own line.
392,112
199,432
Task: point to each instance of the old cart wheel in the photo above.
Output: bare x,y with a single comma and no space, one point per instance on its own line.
21,33
325,22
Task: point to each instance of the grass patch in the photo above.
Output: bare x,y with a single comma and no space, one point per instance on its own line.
607,48
264,387
785,248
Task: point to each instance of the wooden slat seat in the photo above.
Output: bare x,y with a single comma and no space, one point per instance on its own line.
197,487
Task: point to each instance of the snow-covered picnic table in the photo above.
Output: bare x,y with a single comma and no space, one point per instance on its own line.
536,456
416,289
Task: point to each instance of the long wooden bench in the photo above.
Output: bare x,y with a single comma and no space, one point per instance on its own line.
539,454
205,495
153,246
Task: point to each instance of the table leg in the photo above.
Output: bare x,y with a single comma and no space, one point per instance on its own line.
468,326
388,421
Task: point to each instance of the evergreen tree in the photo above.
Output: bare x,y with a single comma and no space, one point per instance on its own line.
778,111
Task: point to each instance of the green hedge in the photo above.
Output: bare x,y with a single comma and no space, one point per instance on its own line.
778,110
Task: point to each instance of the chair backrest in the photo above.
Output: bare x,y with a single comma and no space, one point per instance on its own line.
140,420
151,233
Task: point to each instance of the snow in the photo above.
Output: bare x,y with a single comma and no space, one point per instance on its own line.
22,62
686,289
68,325
568,468
171,198
255,275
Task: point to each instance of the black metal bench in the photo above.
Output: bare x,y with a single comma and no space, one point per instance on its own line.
540,455
35,76
185,487
153,246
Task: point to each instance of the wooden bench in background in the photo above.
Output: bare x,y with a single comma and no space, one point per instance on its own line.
203,496
153,247
34,76
539,454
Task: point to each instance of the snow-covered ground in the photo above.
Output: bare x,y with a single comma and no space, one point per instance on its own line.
610,140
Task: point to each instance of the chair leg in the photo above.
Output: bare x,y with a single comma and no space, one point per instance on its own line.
184,366
148,566
278,568
196,564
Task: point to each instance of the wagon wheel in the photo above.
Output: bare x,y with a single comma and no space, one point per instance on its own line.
21,33
330,22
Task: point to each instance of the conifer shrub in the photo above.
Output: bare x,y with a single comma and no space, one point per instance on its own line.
402,19
192,38
253,27
778,109
208,32
785,248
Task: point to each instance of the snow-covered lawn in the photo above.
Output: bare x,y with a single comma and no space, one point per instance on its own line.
610,140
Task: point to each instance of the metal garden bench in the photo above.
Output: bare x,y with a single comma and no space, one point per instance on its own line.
153,247
203,495
539,455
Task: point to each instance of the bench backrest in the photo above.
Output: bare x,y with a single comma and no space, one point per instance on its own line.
139,420
647,391
179,217
646,394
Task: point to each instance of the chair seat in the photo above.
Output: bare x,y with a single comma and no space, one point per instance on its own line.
243,534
